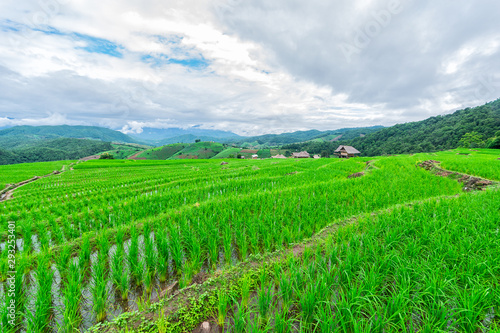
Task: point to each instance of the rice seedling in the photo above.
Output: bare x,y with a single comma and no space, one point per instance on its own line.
176,248
223,304
99,290
241,318
265,301
39,319
245,285
72,300
84,257
227,241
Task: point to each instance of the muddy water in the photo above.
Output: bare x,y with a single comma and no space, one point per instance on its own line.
116,305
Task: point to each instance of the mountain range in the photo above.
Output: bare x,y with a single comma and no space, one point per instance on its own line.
39,143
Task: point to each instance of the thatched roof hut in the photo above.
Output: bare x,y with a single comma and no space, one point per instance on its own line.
346,151
302,154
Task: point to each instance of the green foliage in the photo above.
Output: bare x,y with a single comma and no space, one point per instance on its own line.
106,156
54,150
471,140
435,133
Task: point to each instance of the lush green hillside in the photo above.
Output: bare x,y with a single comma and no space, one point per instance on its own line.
435,133
53,150
432,134
164,136
272,140
197,150
22,136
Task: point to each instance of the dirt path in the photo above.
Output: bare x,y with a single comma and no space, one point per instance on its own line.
8,191
133,157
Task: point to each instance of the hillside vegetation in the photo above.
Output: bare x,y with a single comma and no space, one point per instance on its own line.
273,140
53,150
19,136
432,134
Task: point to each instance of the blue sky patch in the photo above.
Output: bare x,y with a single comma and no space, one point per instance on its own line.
99,45
163,59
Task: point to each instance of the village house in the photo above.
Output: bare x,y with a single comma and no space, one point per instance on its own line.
346,152
302,154
278,156
255,156
316,156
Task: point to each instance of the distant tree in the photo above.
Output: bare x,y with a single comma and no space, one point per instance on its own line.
106,156
287,153
197,140
238,156
324,153
471,140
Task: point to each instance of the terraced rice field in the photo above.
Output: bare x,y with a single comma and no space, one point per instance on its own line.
261,245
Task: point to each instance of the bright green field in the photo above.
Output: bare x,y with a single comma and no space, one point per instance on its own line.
421,254
10,174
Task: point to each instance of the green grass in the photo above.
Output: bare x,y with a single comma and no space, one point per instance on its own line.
10,174
228,153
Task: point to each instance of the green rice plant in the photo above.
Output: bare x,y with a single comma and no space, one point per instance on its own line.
117,265
84,257
72,300
213,249
39,320
124,284
286,289
308,303
245,285
148,281
176,248
161,238
265,303
227,241
241,318
64,260
99,290
162,323
195,253
103,247
138,271
472,306
325,321
283,321
133,253
223,305
28,245
151,257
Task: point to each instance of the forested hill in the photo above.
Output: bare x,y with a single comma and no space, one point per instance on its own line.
271,140
53,150
435,133
16,137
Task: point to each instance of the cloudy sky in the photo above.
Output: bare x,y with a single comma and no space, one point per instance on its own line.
250,67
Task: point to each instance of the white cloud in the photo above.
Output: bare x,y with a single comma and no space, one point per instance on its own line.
270,66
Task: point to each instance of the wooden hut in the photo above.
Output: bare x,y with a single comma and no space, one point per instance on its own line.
346,152
302,154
